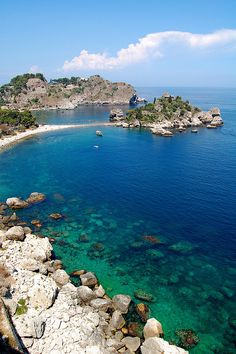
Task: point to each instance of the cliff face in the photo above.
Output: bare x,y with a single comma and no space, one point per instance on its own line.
34,92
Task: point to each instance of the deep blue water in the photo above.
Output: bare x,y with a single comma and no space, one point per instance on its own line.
181,190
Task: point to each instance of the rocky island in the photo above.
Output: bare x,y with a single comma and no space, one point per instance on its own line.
42,311
167,115
33,91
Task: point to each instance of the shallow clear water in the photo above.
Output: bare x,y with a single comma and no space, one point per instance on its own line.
181,190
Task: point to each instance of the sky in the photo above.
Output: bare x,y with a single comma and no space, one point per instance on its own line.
146,43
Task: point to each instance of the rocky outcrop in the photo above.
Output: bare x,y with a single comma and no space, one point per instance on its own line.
34,92
116,115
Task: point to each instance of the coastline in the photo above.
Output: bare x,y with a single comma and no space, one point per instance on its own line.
47,313
9,140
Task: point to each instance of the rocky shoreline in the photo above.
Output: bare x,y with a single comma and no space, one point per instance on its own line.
51,315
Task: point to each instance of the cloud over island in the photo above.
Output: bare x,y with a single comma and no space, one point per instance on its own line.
148,47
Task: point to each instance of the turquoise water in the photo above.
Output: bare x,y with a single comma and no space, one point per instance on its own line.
181,190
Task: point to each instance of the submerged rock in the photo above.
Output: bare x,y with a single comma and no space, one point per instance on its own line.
187,338
36,197
56,216
143,295
143,311
182,247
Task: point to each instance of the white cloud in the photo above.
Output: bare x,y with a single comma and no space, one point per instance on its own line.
34,69
148,47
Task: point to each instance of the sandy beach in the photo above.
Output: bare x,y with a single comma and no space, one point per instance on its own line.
9,140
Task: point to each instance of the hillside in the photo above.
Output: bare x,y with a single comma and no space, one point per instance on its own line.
32,91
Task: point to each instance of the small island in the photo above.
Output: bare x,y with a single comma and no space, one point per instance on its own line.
167,115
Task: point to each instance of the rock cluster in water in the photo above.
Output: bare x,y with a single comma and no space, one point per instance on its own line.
167,115
50,314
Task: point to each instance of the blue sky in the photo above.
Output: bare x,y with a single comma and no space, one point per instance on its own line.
160,41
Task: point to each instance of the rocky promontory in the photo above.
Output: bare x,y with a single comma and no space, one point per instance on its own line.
167,115
33,91
41,311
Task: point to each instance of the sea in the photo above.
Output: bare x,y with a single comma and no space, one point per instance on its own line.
145,213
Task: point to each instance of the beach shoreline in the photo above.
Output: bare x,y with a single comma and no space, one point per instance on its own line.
9,140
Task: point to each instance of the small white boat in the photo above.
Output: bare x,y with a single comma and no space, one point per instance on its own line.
194,131
96,146
98,132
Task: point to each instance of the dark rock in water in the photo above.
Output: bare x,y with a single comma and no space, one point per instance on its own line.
182,247
143,311
187,338
142,295
56,216
98,246
83,238
58,197
232,323
151,239
135,329
36,223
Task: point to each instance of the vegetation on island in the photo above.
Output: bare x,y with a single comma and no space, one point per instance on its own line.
16,118
18,83
74,80
166,107
12,121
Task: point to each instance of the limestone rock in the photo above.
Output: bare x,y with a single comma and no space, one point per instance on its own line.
157,345
30,264
43,292
100,292
27,326
152,328
15,233
61,277
121,303
37,248
101,304
117,320
88,279
85,293
131,343
16,203
217,121
215,111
